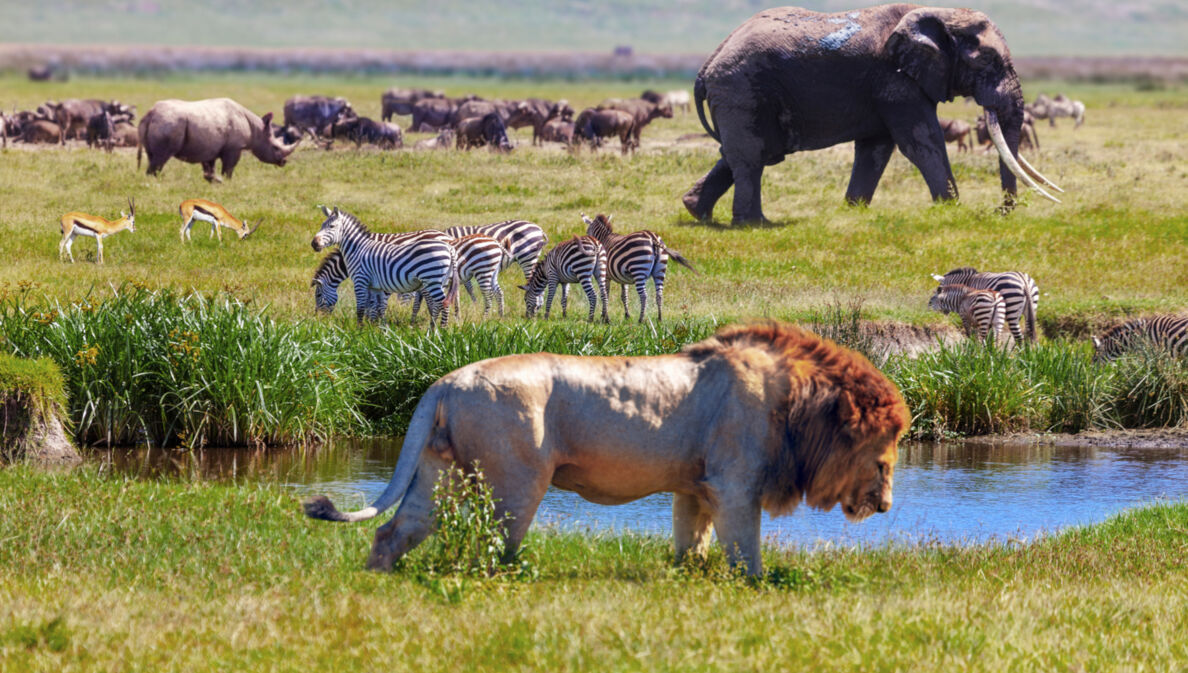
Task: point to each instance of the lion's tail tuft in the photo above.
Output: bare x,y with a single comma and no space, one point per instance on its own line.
320,507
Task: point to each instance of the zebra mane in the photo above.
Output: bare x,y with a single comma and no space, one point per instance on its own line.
350,221
324,265
963,269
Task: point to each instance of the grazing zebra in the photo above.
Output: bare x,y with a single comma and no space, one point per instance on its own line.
333,270
1018,290
479,257
373,263
634,258
1169,332
522,238
581,259
984,310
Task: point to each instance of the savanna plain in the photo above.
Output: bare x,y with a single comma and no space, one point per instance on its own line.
105,572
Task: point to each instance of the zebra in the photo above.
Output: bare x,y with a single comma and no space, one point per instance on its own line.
634,258
984,310
581,259
374,263
1018,290
1169,332
333,270
522,238
479,257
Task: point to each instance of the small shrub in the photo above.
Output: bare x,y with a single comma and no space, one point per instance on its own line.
469,539
1150,389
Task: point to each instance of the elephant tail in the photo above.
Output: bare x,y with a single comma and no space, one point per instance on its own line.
699,101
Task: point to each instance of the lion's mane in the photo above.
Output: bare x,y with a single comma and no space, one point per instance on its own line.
836,401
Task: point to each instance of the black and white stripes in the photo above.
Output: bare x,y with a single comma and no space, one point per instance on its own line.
634,258
1165,332
523,239
376,263
1018,290
980,310
581,259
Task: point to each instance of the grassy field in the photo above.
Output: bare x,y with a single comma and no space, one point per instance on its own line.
1116,245
106,574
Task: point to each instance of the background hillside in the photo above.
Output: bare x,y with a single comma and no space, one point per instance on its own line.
1033,27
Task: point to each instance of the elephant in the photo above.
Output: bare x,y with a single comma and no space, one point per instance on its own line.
789,80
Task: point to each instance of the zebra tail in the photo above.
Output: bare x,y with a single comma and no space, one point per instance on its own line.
455,281
427,423
680,260
1029,311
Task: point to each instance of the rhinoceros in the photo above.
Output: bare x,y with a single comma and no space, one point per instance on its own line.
199,132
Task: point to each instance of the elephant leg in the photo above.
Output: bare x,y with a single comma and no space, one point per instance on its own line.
413,520
691,526
743,150
924,145
704,194
870,160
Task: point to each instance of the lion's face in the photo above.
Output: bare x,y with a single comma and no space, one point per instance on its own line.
873,475
859,479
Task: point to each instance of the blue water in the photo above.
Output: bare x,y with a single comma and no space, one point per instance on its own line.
949,493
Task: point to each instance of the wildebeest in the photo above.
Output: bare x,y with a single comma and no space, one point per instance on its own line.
1028,138
315,113
956,130
73,114
592,125
643,112
532,112
480,108
40,131
125,135
432,114
558,131
366,130
483,131
207,130
401,101
100,130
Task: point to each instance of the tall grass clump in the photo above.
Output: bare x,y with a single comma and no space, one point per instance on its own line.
968,389
167,368
469,536
1149,389
397,366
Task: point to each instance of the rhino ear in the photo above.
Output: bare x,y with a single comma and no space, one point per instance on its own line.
267,119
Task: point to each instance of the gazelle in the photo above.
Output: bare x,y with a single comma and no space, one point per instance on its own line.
82,224
216,215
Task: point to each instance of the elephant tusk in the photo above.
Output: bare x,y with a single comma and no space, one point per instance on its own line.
1037,175
1008,158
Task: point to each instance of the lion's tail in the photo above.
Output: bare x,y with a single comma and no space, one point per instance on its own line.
429,414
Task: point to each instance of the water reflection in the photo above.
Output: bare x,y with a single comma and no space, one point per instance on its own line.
943,492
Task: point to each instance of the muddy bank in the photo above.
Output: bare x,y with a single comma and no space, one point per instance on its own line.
1155,438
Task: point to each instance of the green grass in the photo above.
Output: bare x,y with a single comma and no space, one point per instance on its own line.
1116,245
102,573
162,368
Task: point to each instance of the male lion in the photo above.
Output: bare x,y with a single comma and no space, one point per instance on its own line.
755,417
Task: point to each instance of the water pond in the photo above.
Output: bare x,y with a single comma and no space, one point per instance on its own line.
950,493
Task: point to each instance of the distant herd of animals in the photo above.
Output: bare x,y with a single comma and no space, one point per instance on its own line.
963,134
226,128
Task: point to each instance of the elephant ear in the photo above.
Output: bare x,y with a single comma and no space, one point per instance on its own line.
923,49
